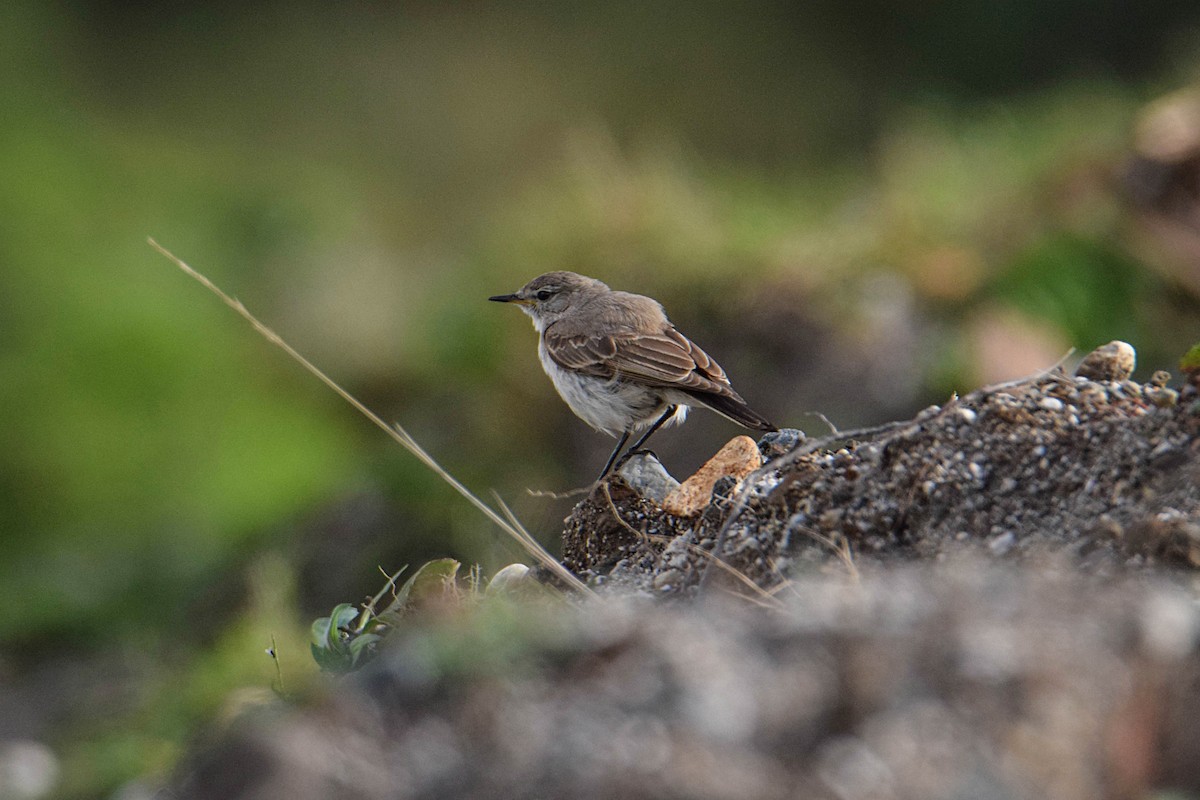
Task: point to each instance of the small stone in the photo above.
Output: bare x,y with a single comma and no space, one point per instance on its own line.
927,413
28,769
668,579
1051,404
646,475
1161,396
1169,625
1112,362
1106,524
967,415
677,560
780,443
1159,379
510,579
1002,543
738,458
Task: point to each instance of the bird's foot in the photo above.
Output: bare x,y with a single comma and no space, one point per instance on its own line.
616,465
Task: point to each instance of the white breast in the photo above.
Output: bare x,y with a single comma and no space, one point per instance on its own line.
611,406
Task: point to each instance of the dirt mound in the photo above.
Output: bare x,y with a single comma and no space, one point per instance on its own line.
1104,472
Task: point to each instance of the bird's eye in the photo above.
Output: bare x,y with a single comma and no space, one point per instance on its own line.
544,294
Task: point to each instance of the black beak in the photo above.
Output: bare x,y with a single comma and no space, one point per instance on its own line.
503,298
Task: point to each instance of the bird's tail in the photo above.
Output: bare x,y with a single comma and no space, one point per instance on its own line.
734,408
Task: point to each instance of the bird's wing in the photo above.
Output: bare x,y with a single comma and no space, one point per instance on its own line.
666,359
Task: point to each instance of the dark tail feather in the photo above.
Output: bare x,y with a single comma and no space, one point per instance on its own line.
733,408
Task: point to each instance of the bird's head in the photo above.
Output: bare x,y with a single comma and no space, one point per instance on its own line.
547,297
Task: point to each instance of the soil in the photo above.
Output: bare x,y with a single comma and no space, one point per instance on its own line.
1103,473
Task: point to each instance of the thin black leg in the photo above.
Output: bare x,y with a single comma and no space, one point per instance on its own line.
670,412
613,458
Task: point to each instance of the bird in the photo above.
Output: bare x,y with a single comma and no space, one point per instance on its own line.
619,363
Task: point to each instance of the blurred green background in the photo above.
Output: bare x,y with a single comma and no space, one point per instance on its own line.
857,208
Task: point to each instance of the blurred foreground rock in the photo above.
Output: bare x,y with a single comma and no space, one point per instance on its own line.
923,682
994,600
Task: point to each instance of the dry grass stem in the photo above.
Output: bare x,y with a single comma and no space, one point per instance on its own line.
766,597
397,432
617,514
559,495
1054,370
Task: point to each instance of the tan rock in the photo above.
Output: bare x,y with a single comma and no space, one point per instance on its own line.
1112,362
738,458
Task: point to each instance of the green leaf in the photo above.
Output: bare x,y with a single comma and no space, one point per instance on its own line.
427,582
1191,360
325,630
320,632
343,614
331,661
359,645
338,645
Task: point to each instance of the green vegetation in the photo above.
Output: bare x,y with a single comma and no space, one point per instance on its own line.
348,636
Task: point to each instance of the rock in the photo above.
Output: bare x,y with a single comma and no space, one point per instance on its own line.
1002,543
28,769
1161,396
917,681
646,475
1044,471
668,579
723,488
738,458
510,579
1112,362
779,443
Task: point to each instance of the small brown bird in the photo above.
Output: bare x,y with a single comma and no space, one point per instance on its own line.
619,363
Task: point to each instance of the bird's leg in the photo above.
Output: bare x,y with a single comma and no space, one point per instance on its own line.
613,458
670,412
614,461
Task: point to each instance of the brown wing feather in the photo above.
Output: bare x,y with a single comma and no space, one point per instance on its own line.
642,345
666,359
589,355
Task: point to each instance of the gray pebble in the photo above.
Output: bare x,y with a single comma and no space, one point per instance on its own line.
646,475
778,443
